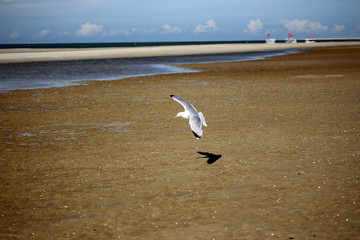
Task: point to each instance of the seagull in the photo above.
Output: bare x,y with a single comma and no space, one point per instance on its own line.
196,119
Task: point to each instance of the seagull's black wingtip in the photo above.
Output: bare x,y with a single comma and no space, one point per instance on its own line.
197,136
171,95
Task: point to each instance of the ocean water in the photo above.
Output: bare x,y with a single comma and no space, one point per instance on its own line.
34,75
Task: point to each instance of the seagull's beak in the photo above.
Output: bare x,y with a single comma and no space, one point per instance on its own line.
176,116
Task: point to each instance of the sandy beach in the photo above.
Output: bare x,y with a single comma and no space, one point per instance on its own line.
107,160
32,55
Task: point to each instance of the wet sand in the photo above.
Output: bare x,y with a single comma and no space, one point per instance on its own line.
31,55
107,160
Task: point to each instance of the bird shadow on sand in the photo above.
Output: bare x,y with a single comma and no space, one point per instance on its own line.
212,158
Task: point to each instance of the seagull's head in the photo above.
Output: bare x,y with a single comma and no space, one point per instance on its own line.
182,114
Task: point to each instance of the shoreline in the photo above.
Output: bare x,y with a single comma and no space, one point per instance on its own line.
39,55
11,79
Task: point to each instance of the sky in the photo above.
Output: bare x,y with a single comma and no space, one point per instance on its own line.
71,21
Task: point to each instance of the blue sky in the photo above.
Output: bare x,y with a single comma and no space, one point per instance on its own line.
42,21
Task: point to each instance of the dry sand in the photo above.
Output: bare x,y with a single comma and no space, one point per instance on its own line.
108,161
30,55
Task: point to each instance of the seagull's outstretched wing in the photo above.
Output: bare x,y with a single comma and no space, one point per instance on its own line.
196,119
187,106
195,125
203,122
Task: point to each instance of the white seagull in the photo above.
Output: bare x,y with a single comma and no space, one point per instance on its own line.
196,119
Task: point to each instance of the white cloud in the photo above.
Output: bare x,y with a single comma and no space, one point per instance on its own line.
316,26
88,29
130,32
303,25
119,31
111,32
338,28
14,34
42,33
209,27
150,31
169,29
254,26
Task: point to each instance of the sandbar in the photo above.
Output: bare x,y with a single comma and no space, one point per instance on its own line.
32,55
